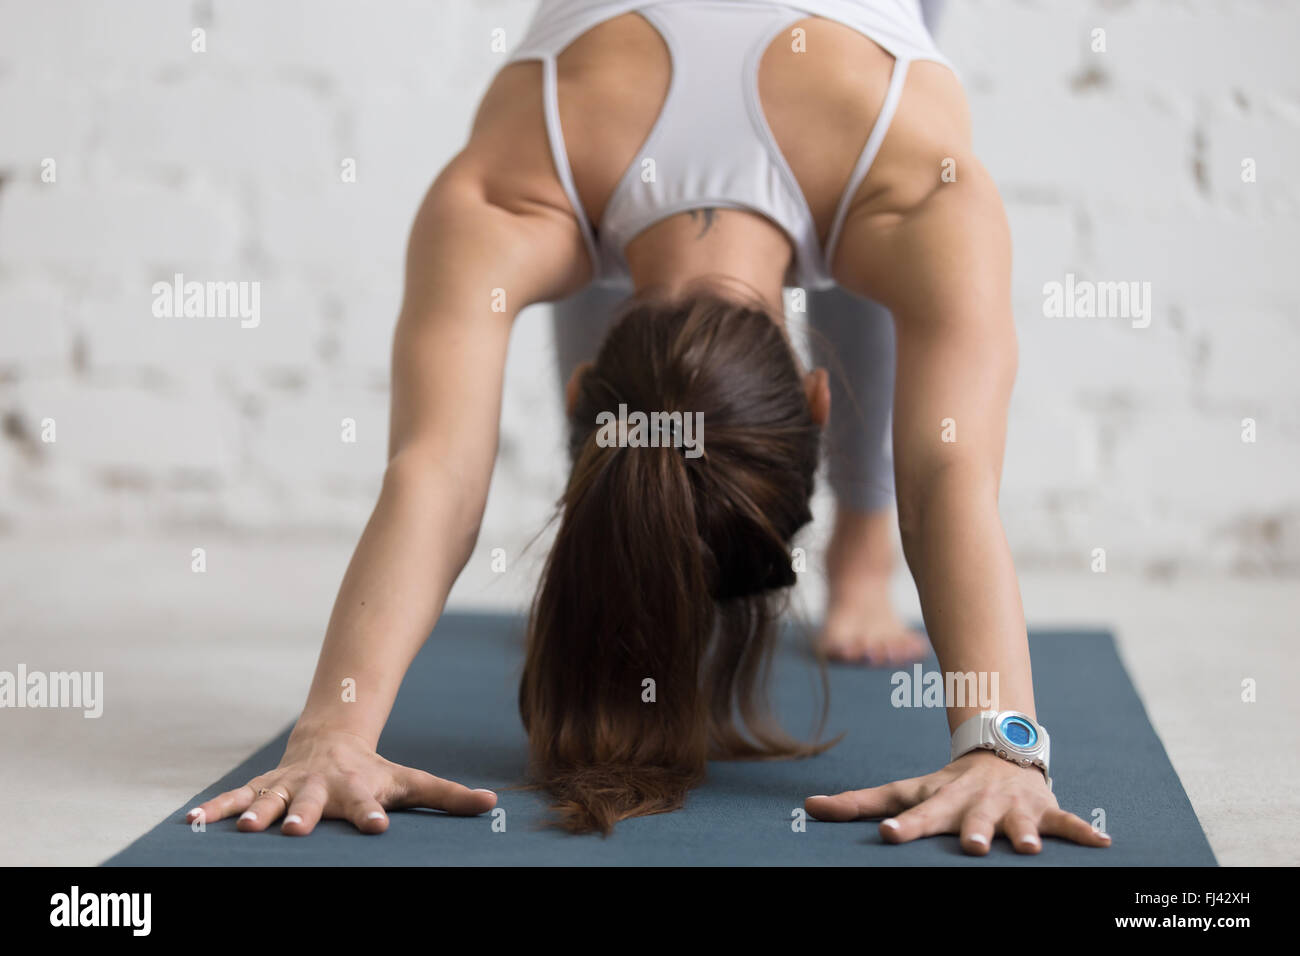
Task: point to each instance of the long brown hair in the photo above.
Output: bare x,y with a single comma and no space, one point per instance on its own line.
651,634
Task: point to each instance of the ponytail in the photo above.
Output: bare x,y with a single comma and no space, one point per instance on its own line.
654,622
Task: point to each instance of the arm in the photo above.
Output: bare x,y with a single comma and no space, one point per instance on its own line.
449,354
938,255
495,233
949,291
473,263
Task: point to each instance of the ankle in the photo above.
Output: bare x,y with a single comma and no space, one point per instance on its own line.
861,548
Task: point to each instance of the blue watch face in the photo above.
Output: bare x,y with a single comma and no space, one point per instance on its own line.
1019,731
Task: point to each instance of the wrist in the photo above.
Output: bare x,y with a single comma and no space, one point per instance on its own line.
308,733
1007,735
959,715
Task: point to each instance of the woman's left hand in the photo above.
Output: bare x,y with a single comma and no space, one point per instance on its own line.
977,795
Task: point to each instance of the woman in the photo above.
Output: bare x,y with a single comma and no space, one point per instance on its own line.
698,157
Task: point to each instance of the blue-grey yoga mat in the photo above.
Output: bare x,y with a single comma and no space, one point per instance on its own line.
456,716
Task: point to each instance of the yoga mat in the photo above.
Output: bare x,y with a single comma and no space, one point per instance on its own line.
456,716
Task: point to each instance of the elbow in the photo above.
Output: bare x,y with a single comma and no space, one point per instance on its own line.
422,487
913,502
947,492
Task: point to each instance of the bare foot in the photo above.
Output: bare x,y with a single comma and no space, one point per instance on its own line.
861,625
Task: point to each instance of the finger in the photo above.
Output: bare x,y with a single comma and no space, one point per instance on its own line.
265,810
223,805
940,813
308,805
1022,831
977,829
420,789
360,806
872,803
1058,823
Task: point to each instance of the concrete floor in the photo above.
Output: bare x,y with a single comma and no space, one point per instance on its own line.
201,669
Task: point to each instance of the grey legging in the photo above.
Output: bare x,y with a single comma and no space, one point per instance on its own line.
852,337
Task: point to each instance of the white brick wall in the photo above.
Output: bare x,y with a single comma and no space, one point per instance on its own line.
1122,165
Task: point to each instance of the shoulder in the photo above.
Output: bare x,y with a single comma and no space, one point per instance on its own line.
927,199
497,207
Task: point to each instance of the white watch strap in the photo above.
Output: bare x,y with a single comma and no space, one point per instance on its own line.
970,734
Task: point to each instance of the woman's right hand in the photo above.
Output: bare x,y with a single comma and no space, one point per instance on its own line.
338,775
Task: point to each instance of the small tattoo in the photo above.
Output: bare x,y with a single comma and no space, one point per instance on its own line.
709,213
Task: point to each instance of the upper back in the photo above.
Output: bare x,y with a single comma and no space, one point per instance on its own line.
820,84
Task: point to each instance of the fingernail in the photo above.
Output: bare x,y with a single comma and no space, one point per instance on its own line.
194,812
1029,841
374,815
891,823
1105,836
484,790
248,815
293,818
979,838
820,796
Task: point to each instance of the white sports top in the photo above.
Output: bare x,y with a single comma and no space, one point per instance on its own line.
711,143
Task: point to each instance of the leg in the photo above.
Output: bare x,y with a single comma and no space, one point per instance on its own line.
853,339
931,11
580,323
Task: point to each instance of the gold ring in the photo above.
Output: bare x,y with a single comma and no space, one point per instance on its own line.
263,792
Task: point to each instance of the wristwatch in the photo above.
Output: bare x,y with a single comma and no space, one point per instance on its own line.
1009,734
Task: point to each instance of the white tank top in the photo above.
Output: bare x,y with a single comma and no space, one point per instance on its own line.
711,144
